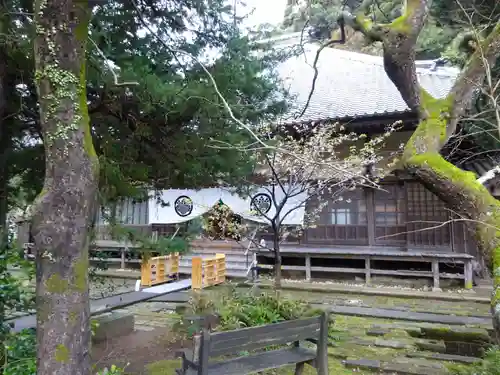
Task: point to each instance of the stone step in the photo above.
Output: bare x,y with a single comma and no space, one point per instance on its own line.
399,366
235,265
219,244
229,267
444,357
219,249
421,344
457,334
231,254
229,272
228,260
382,343
236,260
408,315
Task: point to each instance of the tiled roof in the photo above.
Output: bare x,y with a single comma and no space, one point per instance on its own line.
352,84
481,165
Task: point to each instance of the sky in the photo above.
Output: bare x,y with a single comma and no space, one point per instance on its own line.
266,11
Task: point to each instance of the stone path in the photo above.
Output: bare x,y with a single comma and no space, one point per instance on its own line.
392,342
409,315
400,347
110,303
380,290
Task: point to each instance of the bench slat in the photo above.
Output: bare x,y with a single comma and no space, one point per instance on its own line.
275,327
260,362
264,340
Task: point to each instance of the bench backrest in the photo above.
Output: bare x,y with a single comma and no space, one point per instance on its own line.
248,339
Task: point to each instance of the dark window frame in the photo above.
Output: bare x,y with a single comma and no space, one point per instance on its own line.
326,232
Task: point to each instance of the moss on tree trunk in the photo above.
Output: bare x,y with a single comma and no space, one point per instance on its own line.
473,202
5,147
65,208
438,119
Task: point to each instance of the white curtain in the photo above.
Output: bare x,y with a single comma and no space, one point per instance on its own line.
187,204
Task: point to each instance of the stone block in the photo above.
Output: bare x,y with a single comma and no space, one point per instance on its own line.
437,346
393,344
444,357
113,325
364,364
410,369
377,332
413,331
178,297
472,349
457,334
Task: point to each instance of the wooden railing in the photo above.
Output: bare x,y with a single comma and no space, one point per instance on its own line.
206,272
102,232
160,269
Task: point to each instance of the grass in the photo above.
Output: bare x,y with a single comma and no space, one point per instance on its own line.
335,368
166,367
345,329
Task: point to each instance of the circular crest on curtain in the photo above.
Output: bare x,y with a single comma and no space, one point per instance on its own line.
261,203
183,206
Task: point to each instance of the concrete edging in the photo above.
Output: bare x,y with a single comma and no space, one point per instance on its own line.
440,296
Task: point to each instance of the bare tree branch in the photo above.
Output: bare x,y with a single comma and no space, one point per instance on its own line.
315,65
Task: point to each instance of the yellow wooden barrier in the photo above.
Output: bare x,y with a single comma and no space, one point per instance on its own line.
208,271
160,269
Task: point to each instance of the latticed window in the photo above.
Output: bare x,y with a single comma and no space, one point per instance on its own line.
390,214
426,215
401,215
128,212
343,219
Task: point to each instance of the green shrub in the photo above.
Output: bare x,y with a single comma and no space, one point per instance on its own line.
490,365
236,310
113,370
240,310
20,353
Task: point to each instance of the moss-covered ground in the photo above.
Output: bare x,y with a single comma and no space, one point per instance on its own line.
335,368
350,338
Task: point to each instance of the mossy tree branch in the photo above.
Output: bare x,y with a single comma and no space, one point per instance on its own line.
458,188
399,38
438,121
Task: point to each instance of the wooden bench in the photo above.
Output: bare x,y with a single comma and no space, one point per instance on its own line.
370,255
232,344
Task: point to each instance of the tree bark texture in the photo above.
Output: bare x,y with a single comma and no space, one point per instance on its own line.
5,147
65,208
438,122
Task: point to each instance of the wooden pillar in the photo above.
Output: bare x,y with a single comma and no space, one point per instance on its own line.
468,273
308,267
368,271
370,214
196,273
435,274
122,256
145,273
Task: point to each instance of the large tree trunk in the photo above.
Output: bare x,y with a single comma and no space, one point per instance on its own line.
472,201
65,207
5,143
438,121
